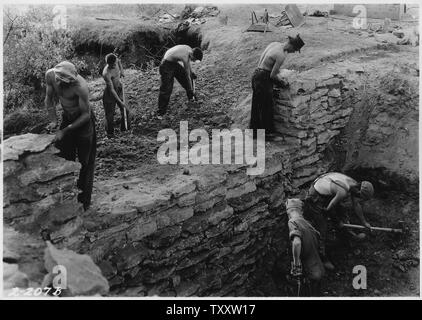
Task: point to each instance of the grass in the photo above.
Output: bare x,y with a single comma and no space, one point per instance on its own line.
110,33
124,20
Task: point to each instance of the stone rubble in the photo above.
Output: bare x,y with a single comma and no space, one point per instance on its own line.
82,276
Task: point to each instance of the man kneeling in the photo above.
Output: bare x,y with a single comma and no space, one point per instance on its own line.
305,246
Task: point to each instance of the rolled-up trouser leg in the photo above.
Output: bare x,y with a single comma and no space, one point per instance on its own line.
166,87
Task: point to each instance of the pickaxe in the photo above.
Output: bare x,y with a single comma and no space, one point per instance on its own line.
356,226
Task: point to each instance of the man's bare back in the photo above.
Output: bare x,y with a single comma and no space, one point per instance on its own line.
179,53
272,58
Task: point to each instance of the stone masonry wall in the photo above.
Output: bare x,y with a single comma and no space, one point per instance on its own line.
205,233
310,114
39,187
199,234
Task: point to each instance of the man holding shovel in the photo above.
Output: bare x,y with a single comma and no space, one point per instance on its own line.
176,63
324,200
114,93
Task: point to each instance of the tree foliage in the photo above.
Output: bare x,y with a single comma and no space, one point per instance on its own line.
31,45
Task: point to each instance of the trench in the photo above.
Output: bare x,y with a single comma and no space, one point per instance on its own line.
215,231
139,49
223,233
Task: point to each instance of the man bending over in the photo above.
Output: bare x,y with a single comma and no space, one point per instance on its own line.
176,64
324,200
76,135
262,83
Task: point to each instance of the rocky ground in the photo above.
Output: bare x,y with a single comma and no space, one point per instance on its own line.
223,82
391,260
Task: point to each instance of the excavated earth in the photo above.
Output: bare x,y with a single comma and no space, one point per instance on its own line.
368,127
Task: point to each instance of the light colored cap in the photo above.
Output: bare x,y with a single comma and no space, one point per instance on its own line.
66,72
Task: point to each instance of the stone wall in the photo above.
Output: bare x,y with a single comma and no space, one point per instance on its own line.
39,187
208,230
198,234
309,115
205,233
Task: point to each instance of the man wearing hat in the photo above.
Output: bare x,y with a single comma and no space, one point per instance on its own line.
324,200
262,83
305,246
76,135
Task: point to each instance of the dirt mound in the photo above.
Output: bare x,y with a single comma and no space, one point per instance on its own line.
132,149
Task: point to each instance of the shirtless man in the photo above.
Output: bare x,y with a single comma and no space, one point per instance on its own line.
262,83
324,198
176,64
77,130
114,93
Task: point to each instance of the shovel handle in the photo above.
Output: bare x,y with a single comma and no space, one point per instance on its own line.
124,111
356,226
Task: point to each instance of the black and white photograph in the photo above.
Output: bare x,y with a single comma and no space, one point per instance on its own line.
183,150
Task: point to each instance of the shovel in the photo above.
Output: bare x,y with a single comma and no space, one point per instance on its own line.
356,226
124,109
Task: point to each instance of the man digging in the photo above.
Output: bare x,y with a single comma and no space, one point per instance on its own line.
114,94
324,200
76,135
171,67
263,78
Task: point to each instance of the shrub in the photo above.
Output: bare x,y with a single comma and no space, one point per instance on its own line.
31,46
